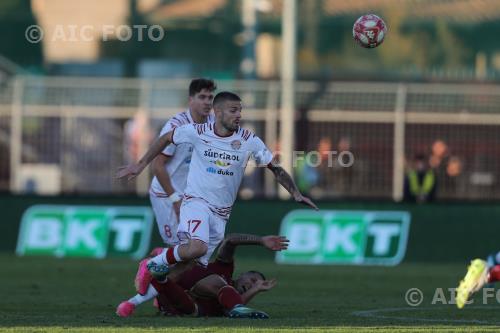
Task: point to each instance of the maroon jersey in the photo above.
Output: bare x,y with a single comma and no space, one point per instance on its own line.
197,273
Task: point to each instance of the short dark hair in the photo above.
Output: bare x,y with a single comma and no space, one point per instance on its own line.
258,273
226,96
199,84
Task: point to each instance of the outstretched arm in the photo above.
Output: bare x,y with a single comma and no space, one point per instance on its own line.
287,182
259,286
133,170
229,244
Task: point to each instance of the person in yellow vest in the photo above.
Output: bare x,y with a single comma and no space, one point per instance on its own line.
420,181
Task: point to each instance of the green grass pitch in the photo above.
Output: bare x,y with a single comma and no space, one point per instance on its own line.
75,295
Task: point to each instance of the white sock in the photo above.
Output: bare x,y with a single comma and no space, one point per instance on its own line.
176,253
139,299
161,259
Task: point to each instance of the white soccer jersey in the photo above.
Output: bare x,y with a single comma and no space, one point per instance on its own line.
178,166
218,163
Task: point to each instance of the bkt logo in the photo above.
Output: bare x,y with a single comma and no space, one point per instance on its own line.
219,171
345,237
85,231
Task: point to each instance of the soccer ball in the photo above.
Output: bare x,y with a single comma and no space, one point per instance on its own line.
369,31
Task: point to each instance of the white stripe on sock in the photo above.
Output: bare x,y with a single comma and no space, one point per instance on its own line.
139,299
176,253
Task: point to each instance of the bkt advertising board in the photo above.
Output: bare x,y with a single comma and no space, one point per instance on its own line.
345,237
85,231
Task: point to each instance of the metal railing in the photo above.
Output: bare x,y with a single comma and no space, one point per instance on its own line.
69,135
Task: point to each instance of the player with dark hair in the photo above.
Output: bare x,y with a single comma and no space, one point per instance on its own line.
171,166
221,152
211,290
198,85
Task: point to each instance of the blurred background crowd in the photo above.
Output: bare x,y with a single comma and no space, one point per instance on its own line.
420,114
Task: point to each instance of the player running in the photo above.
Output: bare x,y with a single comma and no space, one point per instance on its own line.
211,290
172,164
221,152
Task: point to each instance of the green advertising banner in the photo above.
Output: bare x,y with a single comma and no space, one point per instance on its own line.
85,231
345,237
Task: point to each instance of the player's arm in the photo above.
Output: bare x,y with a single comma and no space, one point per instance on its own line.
259,286
134,169
163,177
287,182
161,174
229,244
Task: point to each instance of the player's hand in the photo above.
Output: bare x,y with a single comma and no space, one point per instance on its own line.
177,209
306,201
265,285
275,243
130,171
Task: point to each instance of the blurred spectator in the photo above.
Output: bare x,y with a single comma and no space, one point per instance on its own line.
138,136
439,157
420,181
454,167
448,169
307,175
311,171
453,182
324,148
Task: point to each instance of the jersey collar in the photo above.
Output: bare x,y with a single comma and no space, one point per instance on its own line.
210,118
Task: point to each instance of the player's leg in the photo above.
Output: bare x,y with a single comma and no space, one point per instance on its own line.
193,233
126,308
214,286
166,220
477,277
143,276
227,296
234,305
474,280
494,274
200,236
217,229
242,311
171,295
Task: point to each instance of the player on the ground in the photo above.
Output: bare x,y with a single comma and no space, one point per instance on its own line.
479,273
211,290
221,152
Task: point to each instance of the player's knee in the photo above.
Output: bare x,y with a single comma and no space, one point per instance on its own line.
198,248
